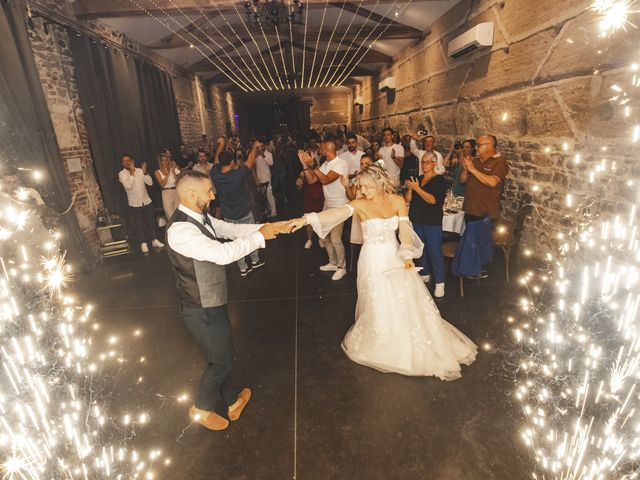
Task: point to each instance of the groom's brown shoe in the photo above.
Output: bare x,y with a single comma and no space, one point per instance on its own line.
236,409
210,420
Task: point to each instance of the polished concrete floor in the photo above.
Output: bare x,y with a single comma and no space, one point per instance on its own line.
314,414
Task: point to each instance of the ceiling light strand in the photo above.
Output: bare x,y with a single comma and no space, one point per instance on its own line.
293,57
238,79
253,39
244,45
344,35
354,65
255,78
344,56
326,48
175,32
315,51
212,40
284,64
304,44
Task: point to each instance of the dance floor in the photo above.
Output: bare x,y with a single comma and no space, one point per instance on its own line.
314,414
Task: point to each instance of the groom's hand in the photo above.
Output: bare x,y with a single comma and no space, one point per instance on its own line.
282,227
269,230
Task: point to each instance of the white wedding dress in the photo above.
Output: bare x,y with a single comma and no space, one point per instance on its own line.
397,327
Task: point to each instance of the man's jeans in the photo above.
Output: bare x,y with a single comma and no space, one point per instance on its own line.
242,263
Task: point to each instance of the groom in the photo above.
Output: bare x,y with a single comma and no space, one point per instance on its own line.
199,247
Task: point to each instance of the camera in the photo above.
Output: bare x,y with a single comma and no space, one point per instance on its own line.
422,133
458,144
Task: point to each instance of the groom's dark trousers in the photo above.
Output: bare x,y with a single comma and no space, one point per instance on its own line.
198,253
212,330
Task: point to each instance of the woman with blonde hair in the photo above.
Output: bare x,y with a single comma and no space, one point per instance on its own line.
166,177
398,327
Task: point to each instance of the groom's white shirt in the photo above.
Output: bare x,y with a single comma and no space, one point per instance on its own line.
187,239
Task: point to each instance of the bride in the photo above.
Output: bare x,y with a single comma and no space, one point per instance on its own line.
398,327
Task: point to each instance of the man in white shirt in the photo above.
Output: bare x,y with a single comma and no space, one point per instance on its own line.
199,247
393,156
340,146
335,195
135,181
202,164
429,143
352,156
264,162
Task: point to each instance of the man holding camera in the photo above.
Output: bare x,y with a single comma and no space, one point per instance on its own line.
429,142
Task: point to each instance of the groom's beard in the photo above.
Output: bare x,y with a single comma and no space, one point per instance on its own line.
204,207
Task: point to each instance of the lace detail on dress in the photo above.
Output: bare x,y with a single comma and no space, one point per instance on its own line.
398,326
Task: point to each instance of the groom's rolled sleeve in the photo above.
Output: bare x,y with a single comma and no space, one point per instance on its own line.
233,230
187,240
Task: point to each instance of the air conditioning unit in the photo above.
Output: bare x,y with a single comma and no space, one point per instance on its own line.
358,101
388,83
479,36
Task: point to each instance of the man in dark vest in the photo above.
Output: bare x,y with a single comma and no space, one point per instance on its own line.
199,247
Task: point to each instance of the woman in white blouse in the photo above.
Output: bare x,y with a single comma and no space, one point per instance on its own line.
166,177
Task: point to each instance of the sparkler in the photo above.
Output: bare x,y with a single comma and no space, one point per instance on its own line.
614,14
53,423
579,326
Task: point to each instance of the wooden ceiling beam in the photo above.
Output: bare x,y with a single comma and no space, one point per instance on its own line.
204,65
373,17
92,9
392,33
222,78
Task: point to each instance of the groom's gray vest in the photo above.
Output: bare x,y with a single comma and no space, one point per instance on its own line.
200,284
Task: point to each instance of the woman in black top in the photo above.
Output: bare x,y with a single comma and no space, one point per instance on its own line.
426,198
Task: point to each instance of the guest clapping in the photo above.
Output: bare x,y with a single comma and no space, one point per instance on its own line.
312,194
135,182
426,198
166,178
334,196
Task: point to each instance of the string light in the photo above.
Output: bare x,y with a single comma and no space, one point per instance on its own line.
315,50
326,49
351,44
255,78
354,63
337,49
175,32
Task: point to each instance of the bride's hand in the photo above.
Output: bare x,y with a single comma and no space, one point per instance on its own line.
408,263
295,224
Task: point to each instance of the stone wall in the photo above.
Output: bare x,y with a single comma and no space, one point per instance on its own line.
330,108
55,67
544,88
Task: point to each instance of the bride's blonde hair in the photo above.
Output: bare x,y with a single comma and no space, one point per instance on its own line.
375,177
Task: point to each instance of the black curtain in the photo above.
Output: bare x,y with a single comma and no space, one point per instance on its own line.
298,116
129,107
27,138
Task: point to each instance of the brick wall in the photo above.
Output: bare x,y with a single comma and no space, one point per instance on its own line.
55,67
216,107
544,89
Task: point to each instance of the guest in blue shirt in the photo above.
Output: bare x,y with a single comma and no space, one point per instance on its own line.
230,180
